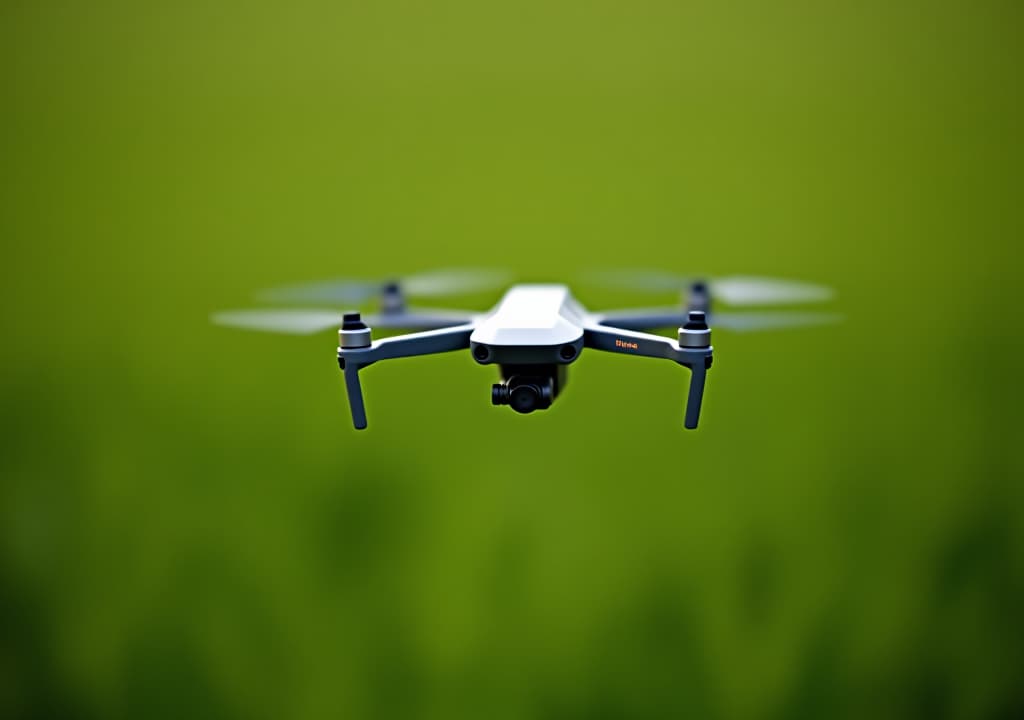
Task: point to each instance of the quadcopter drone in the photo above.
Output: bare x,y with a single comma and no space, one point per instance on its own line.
535,332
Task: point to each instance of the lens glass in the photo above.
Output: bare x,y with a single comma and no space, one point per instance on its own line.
524,398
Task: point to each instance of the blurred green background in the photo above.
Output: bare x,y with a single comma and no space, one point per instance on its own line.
189,527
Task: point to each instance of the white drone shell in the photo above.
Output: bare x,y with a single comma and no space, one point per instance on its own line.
532,315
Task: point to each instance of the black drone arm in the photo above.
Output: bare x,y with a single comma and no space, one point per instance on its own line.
356,352
695,352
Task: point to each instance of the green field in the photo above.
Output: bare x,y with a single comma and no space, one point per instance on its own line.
190,528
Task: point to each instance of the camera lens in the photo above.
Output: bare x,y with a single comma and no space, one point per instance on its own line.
525,398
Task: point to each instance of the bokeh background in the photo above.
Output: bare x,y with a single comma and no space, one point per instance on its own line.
189,527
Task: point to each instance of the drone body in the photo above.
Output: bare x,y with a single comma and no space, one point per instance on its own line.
532,335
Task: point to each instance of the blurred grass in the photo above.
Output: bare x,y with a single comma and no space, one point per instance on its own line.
189,526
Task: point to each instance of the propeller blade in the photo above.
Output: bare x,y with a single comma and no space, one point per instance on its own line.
452,281
292,322
355,292
655,281
738,290
734,290
754,322
342,291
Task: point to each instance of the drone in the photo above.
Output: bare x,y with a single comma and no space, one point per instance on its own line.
535,332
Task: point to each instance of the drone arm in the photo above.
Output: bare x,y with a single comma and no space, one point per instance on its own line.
353,359
421,343
643,318
629,342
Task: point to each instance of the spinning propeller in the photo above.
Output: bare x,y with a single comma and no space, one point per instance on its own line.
732,290
391,293
427,284
700,294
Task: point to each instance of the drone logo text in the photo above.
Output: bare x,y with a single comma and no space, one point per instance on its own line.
624,344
